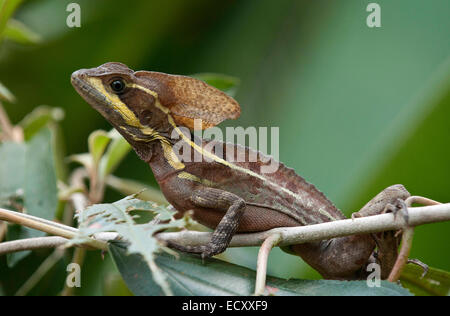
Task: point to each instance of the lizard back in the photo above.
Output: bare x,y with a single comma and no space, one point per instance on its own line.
239,170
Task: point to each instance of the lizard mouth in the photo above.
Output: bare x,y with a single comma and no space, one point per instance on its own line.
93,97
89,93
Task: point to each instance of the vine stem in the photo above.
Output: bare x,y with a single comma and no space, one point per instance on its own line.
31,244
280,236
407,237
261,265
302,234
47,226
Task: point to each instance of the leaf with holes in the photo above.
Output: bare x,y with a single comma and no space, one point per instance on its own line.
116,217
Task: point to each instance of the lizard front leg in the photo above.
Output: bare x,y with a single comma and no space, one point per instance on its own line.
221,200
347,257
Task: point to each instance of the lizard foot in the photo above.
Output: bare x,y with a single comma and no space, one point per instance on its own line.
206,251
399,206
211,250
424,266
388,241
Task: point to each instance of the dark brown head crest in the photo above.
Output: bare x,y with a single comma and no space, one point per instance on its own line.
189,98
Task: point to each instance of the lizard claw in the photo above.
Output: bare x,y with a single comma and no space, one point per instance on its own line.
400,206
211,250
356,215
424,266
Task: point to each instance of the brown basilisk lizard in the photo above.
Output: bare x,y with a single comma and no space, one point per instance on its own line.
230,196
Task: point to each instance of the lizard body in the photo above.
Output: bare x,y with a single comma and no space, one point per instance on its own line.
226,193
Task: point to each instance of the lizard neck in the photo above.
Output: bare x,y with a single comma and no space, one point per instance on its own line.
163,161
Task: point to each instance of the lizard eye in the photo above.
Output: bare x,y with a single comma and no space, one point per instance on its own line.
118,85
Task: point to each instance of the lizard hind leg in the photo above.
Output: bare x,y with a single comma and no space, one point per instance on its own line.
347,257
392,200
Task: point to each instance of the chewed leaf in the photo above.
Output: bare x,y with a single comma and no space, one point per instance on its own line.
116,217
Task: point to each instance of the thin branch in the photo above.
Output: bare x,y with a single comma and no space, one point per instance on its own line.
31,244
38,223
289,235
80,201
10,132
42,270
3,229
48,242
261,265
403,255
5,124
302,234
407,237
47,226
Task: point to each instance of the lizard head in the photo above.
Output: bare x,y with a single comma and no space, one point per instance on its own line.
145,106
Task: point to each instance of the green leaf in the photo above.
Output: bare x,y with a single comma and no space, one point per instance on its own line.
106,162
7,8
6,95
40,117
115,286
20,33
189,276
227,84
12,167
29,167
83,159
40,191
116,217
435,282
97,141
12,173
116,152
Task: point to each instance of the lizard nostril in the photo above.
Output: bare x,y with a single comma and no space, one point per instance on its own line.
78,75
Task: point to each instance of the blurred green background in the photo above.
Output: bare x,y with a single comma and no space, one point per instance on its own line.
358,108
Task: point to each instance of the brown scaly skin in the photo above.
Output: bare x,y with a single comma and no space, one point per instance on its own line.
227,196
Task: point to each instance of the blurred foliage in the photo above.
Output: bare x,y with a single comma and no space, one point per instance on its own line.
358,108
433,282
